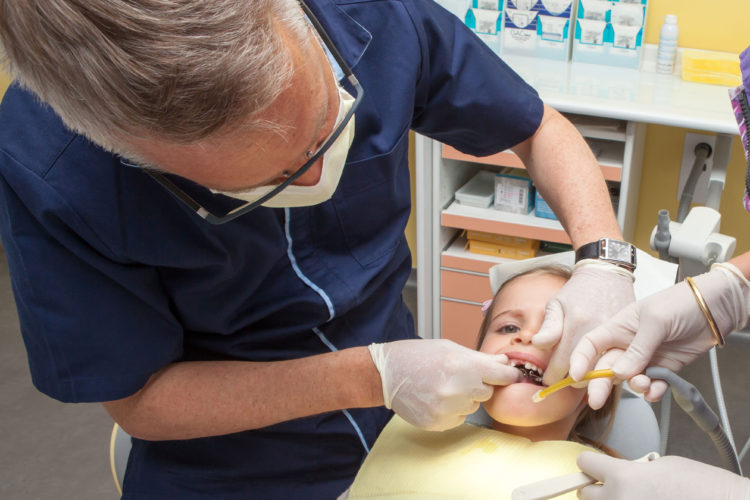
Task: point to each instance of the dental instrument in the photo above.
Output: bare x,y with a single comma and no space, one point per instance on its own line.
543,393
556,486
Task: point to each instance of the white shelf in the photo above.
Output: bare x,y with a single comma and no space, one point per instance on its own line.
628,94
490,220
600,128
457,249
530,219
610,153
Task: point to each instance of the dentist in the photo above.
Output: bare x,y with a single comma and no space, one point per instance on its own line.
203,206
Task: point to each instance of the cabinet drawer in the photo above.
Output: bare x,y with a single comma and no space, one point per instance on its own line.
465,286
460,322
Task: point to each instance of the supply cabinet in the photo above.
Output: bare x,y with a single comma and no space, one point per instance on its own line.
453,281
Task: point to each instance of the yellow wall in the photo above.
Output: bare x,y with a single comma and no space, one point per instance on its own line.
725,26
722,25
4,82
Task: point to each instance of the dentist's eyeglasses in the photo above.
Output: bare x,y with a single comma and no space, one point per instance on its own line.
247,207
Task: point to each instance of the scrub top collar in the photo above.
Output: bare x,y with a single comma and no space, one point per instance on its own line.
350,38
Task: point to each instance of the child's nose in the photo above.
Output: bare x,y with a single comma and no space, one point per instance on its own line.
523,337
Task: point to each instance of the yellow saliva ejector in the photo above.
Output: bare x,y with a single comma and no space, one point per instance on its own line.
543,393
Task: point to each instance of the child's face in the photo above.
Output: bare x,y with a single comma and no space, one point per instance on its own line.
515,317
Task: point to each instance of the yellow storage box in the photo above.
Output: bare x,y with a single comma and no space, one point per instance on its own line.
717,68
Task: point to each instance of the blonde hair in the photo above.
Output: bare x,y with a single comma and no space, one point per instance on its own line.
588,418
177,71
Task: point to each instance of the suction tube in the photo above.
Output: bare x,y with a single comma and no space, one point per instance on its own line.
702,153
690,400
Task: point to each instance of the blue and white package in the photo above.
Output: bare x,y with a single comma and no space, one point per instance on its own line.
484,17
610,32
541,209
540,28
520,26
487,24
488,4
457,7
554,29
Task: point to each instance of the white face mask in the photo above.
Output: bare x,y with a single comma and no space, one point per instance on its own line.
333,165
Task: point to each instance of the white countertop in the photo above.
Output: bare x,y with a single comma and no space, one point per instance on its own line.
629,94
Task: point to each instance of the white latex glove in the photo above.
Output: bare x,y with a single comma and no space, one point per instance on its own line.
592,295
435,383
667,328
666,478
599,389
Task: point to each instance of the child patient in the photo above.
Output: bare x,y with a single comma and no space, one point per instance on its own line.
525,442
514,316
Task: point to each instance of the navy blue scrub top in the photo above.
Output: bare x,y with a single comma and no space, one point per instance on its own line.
114,279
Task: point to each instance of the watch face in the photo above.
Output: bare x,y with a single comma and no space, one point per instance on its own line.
618,250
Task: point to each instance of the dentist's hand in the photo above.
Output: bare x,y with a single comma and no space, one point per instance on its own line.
435,383
666,478
592,295
666,329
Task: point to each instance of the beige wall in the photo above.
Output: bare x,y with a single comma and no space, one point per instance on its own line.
722,25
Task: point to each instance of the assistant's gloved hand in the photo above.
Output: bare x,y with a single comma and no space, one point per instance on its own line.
667,328
435,383
666,478
593,294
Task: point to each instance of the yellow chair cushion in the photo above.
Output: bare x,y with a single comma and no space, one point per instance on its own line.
467,462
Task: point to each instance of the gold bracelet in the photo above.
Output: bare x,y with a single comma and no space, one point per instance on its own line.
706,312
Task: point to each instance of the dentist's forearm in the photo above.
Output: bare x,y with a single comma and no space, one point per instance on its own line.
209,398
569,179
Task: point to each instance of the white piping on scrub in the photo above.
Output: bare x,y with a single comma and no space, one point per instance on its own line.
346,413
331,312
298,271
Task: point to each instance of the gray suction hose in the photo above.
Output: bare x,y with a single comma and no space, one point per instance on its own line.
702,152
690,400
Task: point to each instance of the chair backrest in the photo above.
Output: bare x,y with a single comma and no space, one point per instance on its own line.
635,430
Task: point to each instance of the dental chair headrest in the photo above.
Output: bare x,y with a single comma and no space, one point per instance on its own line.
651,275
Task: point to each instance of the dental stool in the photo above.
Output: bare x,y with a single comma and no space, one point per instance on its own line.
119,451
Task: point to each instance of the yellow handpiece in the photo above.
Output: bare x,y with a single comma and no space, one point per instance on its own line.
543,393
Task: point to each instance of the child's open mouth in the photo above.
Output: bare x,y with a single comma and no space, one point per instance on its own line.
530,373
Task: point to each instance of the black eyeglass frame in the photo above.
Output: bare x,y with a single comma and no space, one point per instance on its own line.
248,207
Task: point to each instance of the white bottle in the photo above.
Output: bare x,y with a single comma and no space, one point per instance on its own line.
667,45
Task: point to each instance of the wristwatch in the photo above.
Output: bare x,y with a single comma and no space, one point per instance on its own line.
617,252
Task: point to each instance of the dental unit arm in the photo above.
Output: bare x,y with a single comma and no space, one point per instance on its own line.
693,239
695,242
